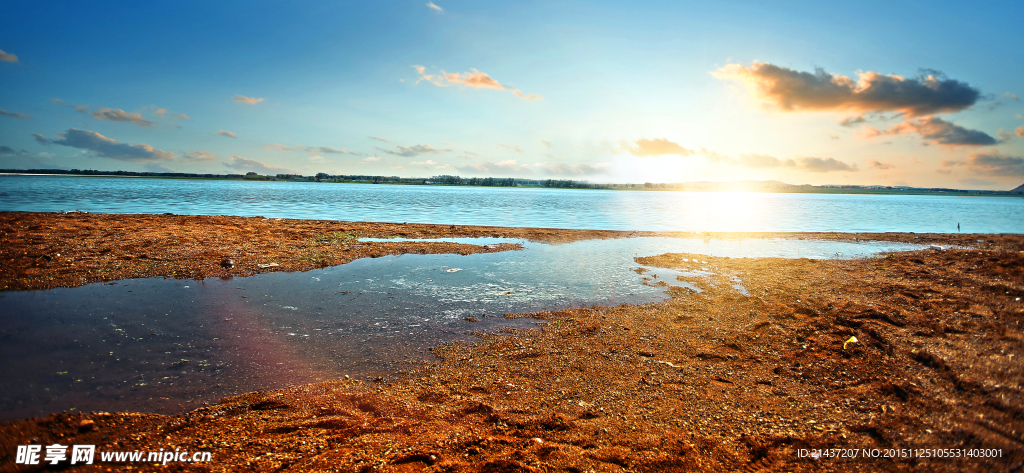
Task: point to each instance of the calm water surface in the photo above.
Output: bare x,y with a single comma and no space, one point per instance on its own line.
551,208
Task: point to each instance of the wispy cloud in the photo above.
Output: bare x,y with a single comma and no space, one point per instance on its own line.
328,149
380,139
937,131
118,115
370,159
791,90
415,150
807,164
429,162
659,147
545,143
508,166
109,148
880,165
227,134
515,148
562,169
239,163
14,115
311,151
40,138
524,95
163,111
250,100
8,57
474,79
823,165
157,167
115,114
662,146
436,8
196,156
994,163
8,151
850,122
1019,131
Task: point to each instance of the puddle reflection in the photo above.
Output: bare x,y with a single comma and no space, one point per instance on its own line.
166,345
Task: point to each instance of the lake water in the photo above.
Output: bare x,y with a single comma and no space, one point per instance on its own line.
170,345
519,207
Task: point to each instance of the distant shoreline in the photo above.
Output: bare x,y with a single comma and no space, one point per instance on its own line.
773,187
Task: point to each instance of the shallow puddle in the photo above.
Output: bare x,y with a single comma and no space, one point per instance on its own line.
168,345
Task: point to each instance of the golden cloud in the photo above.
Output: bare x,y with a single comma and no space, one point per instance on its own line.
791,90
244,99
936,131
474,79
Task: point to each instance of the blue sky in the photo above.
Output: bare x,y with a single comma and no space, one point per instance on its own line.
895,93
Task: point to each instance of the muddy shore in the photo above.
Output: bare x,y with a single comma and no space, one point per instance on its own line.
716,380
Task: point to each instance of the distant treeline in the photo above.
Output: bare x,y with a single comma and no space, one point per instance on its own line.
449,180
93,172
325,177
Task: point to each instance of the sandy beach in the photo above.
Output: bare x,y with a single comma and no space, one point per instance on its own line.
913,355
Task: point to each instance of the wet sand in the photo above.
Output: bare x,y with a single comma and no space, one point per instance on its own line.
716,380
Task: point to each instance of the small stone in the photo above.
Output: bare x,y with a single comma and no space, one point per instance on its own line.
227,263
86,425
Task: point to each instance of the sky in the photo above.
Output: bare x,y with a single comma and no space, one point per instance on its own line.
923,94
